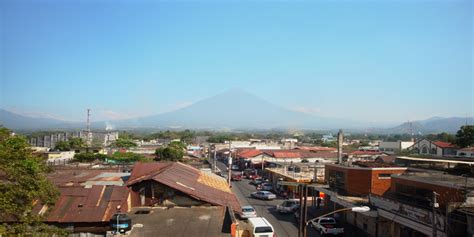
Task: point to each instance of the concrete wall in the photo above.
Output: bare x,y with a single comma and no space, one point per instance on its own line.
393,147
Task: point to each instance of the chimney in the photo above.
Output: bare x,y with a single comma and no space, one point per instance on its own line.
340,140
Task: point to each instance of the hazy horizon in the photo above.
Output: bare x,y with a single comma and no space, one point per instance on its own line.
379,62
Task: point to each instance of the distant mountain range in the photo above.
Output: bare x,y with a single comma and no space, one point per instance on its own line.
234,109
20,122
431,125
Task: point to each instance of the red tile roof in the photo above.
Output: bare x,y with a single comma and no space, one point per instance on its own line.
467,149
316,148
321,154
355,153
198,184
79,204
444,144
286,154
249,153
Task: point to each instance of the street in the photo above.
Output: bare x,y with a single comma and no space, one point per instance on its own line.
284,224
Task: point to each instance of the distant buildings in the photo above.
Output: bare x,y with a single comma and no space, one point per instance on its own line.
328,138
100,138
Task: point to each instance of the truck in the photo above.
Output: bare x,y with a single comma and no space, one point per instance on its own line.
327,226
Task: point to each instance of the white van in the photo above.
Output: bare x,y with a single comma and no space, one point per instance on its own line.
260,227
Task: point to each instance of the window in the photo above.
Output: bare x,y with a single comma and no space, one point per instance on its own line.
424,150
263,229
433,151
337,179
385,176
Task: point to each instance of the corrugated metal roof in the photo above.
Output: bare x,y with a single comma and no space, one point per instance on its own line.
79,204
187,179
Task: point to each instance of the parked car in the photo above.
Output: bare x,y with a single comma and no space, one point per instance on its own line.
267,186
248,212
288,206
250,173
327,225
266,195
260,227
235,168
236,177
256,181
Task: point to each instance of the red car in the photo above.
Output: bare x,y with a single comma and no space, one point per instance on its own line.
250,173
236,177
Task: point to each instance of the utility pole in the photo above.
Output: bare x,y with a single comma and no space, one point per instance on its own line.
305,210
229,174
300,224
435,205
215,162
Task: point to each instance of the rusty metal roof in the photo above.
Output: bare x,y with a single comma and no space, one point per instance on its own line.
79,204
187,179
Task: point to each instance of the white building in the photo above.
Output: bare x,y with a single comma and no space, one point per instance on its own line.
427,147
466,152
394,147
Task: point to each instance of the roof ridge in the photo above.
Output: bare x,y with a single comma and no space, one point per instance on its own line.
150,174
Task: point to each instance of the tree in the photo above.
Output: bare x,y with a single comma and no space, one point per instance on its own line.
444,137
23,184
89,157
124,143
76,143
62,146
465,136
127,157
173,152
220,138
73,143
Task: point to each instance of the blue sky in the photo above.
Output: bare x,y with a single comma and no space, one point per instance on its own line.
377,61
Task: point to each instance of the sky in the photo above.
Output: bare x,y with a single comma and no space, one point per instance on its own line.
376,61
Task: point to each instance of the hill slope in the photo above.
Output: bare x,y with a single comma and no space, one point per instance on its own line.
15,121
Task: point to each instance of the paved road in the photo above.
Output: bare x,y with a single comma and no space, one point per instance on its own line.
284,224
